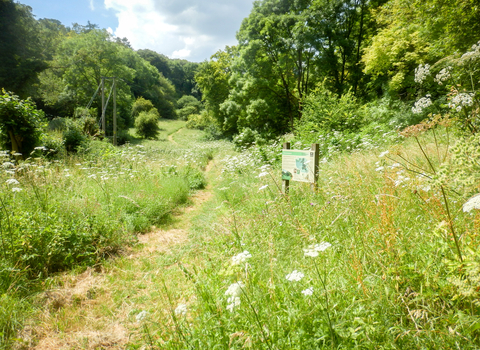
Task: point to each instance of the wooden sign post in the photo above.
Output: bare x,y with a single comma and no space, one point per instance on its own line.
299,165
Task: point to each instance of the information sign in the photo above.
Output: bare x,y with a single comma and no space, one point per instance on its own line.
298,165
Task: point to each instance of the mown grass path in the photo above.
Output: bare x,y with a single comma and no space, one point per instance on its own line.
97,308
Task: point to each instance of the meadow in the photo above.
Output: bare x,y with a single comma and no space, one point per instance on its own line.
383,255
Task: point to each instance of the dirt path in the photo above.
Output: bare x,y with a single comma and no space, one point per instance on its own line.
170,137
96,309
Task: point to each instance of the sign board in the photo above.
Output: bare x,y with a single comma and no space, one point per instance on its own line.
298,165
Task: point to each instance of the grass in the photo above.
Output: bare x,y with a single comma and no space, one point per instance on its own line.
391,279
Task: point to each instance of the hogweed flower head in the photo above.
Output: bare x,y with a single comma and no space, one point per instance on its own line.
443,75
181,310
421,73
12,182
313,250
141,316
461,100
241,258
308,291
421,104
472,203
294,276
233,292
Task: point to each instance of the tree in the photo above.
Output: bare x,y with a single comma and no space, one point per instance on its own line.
212,77
141,105
21,123
414,32
179,72
21,56
146,124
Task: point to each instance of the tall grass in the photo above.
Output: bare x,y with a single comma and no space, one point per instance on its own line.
263,276
74,212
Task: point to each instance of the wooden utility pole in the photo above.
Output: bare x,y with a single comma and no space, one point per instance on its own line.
103,107
114,111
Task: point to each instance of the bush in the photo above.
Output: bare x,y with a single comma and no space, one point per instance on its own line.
57,124
141,105
90,126
247,138
323,110
199,121
52,145
74,137
21,123
146,124
123,137
195,178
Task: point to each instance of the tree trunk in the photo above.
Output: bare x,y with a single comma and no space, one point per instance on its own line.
16,142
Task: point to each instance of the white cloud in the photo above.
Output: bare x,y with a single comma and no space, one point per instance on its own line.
92,6
189,29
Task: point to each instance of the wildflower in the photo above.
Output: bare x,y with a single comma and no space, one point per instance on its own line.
241,258
380,168
12,182
8,165
383,154
442,76
461,100
233,292
294,276
263,187
262,174
181,310
141,316
422,103
421,73
472,203
312,250
16,189
308,291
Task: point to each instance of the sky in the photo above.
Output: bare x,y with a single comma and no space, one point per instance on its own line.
187,29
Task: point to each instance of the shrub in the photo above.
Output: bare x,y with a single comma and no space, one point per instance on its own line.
52,145
21,123
141,105
323,110
146,124
247,138
74,137
57,124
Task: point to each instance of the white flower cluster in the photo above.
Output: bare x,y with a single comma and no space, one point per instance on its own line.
422,103
241,258
181,310
233,292
460,100
141,316
443,75
475,51
12,182
308,291
294,276
472,203
421,72
312,251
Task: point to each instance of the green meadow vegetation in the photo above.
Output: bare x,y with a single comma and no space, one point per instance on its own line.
179,236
